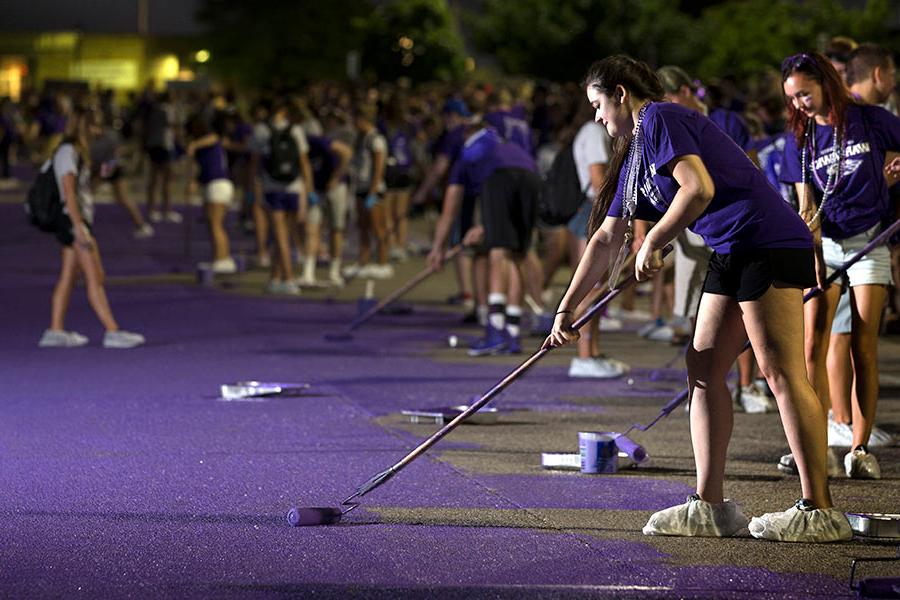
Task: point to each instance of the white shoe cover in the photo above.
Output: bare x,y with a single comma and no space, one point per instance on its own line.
859,464
802,525
698,519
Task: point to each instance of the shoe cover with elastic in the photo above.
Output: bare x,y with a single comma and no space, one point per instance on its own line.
122,339
155,216
696,518
351,271
664,333
788,465
802,523
859,464
56,338
144,231
385,271
841,435
173,217
597,368
763,386
224,266
494,342
753,400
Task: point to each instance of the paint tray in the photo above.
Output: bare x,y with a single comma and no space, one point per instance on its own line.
440,416
876,525
257,390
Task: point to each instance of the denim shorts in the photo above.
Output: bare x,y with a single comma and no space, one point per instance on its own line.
873,269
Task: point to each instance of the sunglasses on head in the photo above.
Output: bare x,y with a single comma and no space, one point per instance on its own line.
796,61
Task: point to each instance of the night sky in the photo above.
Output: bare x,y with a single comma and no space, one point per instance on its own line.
167,17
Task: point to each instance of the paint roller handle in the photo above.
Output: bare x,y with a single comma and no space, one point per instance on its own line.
601,304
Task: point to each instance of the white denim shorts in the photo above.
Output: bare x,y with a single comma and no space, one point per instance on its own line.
219,191
873,269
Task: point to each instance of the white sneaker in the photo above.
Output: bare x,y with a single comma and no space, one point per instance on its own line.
367,271
398,254
144,231
630,315
155,216
802,523
597,368
787,465
122,339
224,266
859,464
610,324
173,217
263,261
697,518
753,400
662,334
841,435
57,338
385,271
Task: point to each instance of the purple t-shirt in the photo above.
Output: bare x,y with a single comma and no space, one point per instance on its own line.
860,198
484,152
213,163
512,128
732,124
745,212
322,160
770,153
450,144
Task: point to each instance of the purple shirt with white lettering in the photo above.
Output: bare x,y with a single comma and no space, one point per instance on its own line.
512,128
745,212
860,198
213,163
485,152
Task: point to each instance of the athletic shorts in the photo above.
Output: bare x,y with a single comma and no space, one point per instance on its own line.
288,201
873,269
159,156
397,180
334,206
509,200
746,276
578,224
63,230
219,191
113,175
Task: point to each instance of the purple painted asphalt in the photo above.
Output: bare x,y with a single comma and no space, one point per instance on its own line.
122,474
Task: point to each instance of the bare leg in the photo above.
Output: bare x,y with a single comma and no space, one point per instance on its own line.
718,338
745,367
840,377
866,304
165,171
776,334
818,314
215,216
62,292
401,217
122,200
281,266
92,268
379,215
364,222
464,265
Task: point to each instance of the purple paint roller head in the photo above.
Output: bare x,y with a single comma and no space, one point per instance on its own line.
299,517
634,450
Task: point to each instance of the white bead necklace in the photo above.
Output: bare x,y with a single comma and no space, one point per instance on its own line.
834,169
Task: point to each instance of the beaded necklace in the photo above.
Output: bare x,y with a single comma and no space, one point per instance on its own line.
632,175
834,169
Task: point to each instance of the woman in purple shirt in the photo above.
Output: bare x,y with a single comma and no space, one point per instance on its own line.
838,149
675,166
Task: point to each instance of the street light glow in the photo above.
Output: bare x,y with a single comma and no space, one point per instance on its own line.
202,56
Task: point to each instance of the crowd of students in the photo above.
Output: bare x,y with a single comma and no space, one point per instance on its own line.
764,189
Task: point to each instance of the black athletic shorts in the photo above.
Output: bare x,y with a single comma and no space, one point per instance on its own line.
159,156
748,275
63,231
509,201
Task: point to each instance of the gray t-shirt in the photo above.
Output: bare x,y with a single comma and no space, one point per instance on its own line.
65,160
363,163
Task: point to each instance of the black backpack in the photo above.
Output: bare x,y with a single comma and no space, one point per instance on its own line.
561,193
43,205
283,161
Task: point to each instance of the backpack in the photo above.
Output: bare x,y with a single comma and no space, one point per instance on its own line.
282,163
561,194
43,205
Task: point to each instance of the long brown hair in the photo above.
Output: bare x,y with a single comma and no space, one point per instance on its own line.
835,94
641,82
